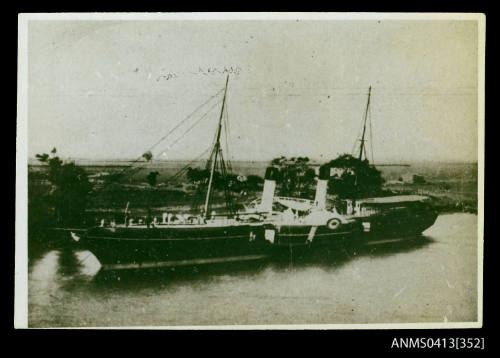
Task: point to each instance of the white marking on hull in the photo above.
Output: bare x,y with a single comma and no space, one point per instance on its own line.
305,235
382,242
269,235
167,239
310,236
182,262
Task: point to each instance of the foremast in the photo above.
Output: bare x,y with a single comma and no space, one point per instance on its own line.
215,153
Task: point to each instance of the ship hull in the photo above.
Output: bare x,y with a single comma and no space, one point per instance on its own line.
131,247
126,248
363,229
397,223
317,236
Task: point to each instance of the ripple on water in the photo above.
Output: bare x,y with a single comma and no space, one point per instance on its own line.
426,279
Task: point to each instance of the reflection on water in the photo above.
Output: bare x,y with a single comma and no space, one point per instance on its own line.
82,266
431,278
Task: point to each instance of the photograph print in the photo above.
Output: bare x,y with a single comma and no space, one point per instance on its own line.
250,170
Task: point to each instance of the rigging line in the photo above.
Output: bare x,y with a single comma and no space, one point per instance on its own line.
129,166
227,189
175,142
180,172
138,169
184,169
227,135
113,181
216,149
354,146
196,200
229,154
212,146
170,132
354,150
192,126
185,119
230,143
362,146
226,128
371,134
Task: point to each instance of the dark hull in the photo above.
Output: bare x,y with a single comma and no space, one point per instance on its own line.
128,247
307,235
365,229
122,248
398,223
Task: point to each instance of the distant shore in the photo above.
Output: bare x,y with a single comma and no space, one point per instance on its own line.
452,188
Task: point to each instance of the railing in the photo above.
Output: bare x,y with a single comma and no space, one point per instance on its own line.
299,200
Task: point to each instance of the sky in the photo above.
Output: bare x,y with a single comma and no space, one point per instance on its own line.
111,89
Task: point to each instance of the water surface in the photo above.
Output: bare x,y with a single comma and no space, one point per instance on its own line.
427,279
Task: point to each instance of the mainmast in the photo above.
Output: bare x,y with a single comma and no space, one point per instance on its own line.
362,145
216,152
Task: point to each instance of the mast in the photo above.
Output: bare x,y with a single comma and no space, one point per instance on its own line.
364,125
216,152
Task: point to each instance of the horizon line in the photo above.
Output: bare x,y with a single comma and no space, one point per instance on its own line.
385,162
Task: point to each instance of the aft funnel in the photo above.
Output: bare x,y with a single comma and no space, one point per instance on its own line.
266,204
322,186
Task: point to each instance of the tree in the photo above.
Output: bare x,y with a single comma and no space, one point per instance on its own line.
201,177
354,178
418,179
70,189
148,156
152,178
113,178
254,182
295,176
196,175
